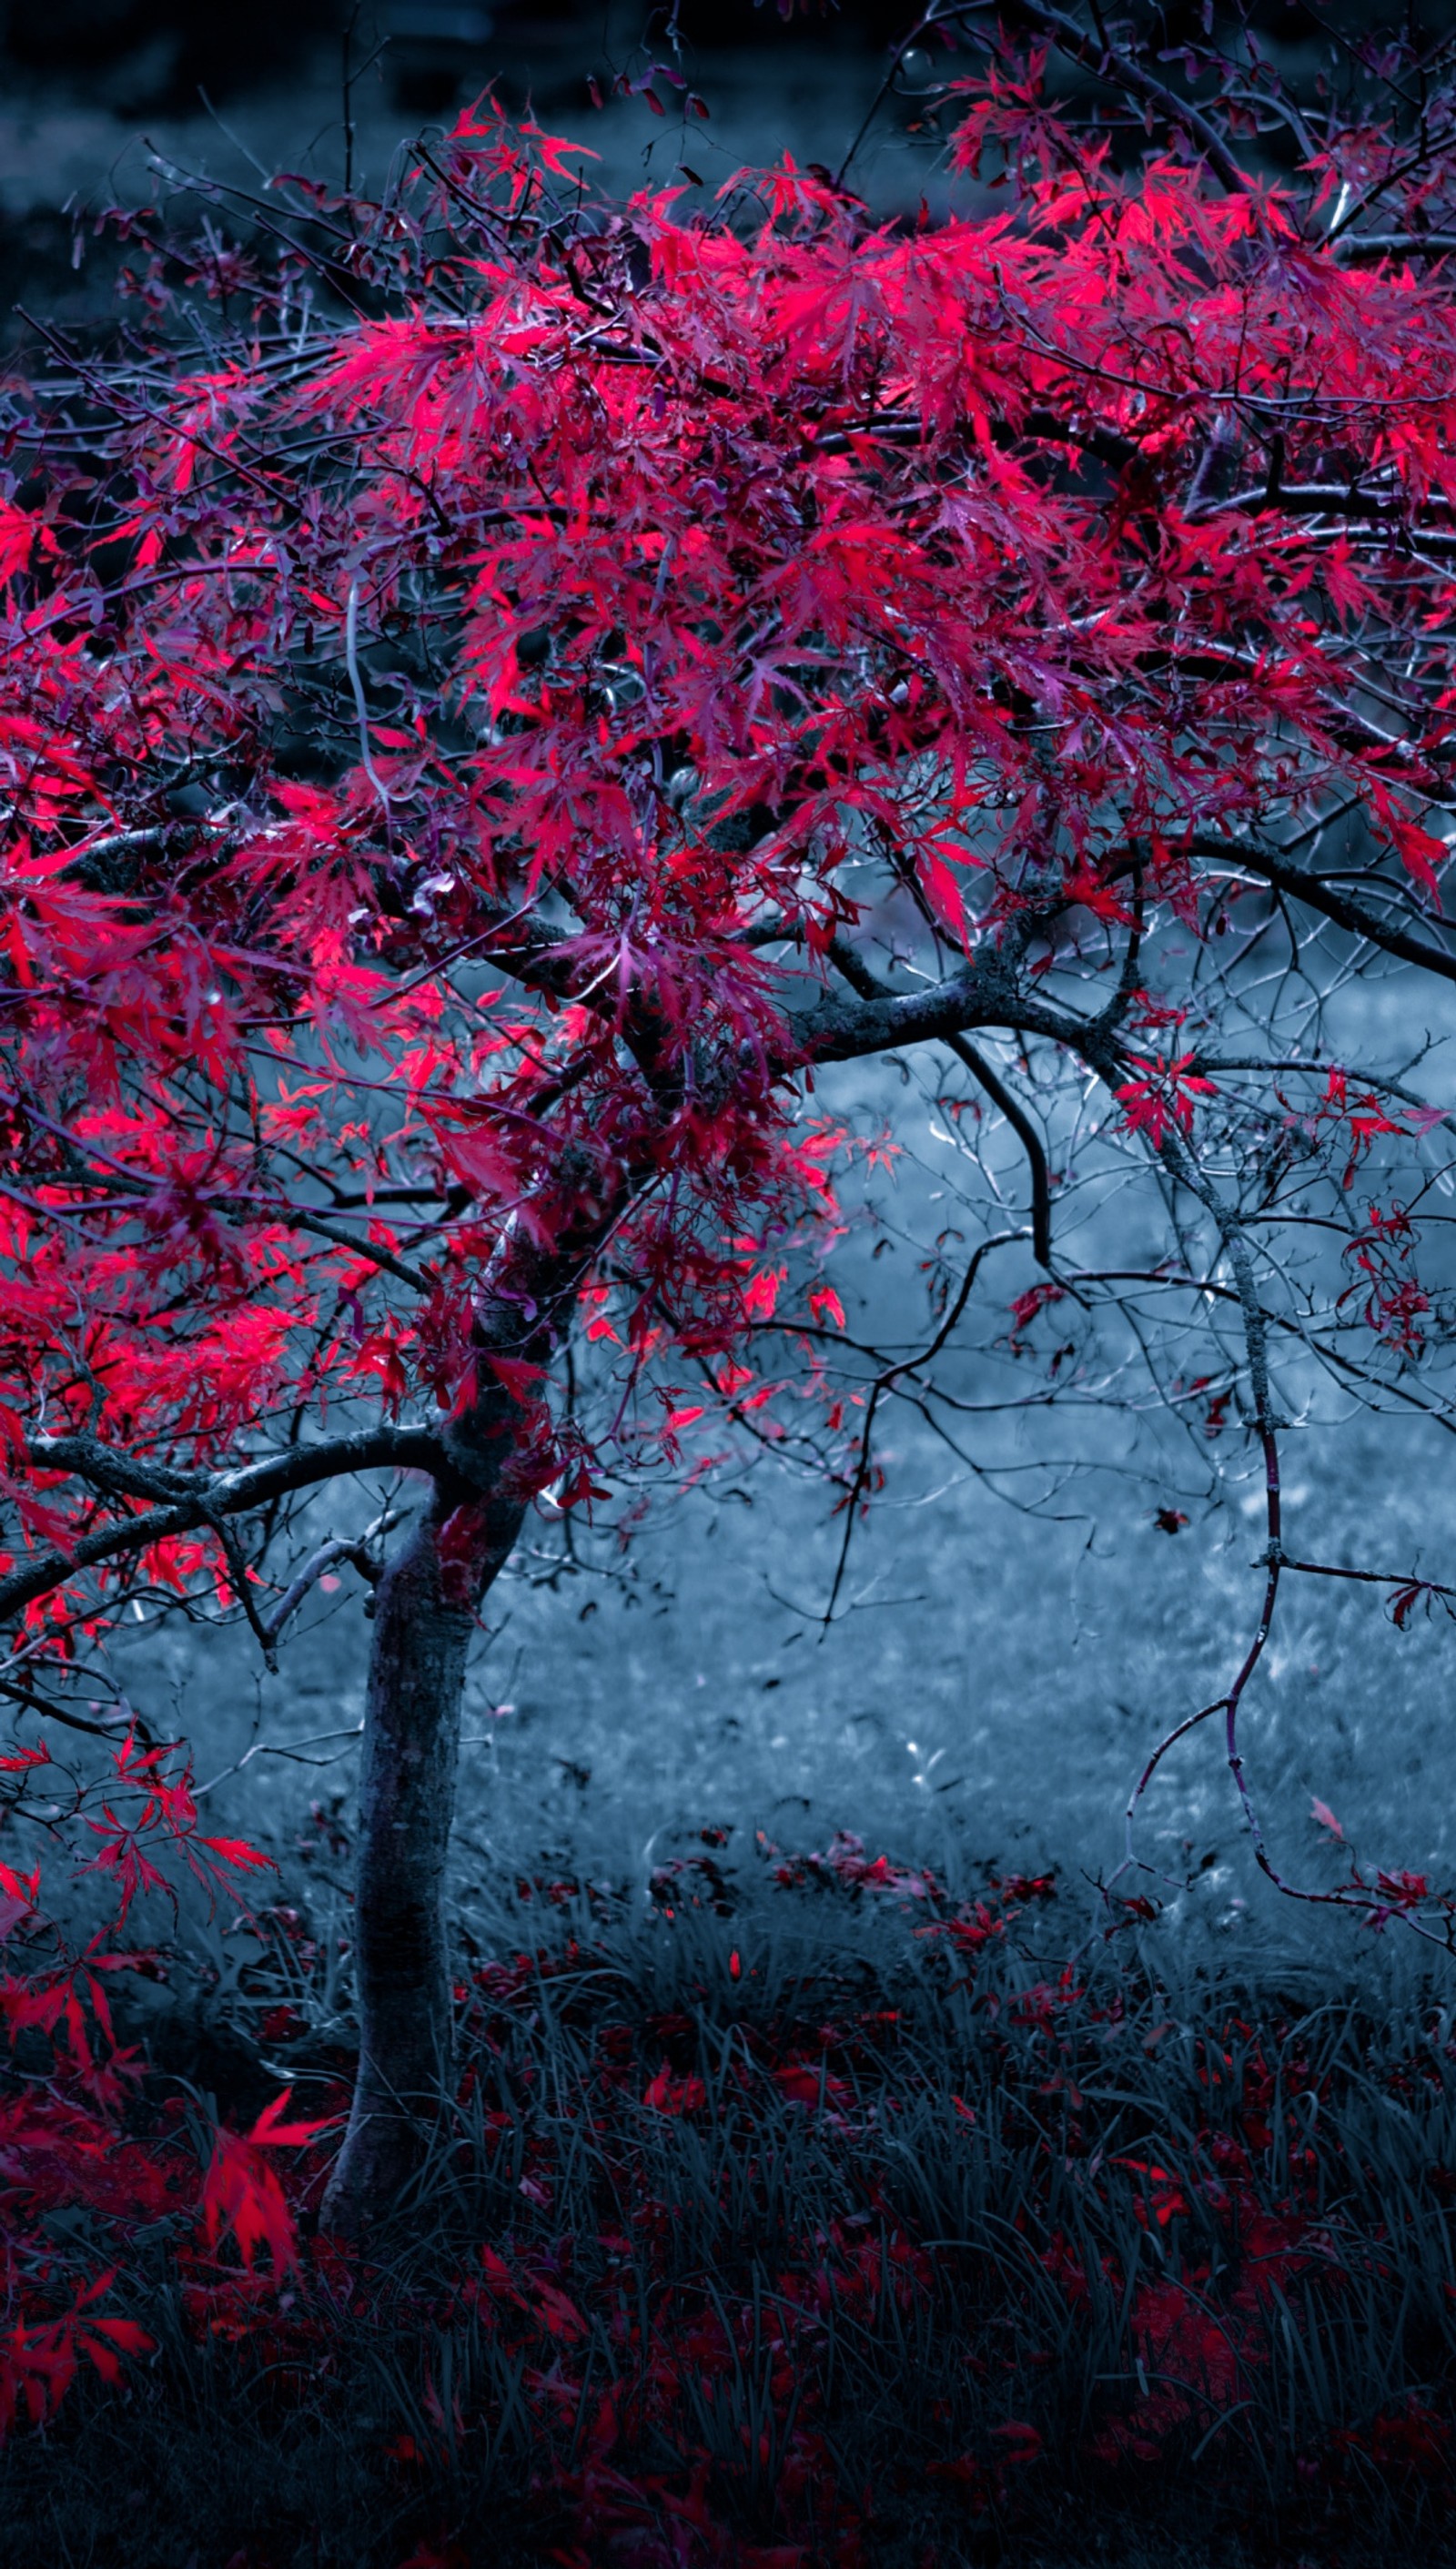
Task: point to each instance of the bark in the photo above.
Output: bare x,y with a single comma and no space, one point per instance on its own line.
498,1453
425,1613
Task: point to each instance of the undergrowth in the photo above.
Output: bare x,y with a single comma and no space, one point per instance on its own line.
800,2212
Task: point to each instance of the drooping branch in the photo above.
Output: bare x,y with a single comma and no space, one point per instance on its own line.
1026,1134
884,1381
861,979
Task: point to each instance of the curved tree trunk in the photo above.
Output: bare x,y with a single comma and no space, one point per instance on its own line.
425,1613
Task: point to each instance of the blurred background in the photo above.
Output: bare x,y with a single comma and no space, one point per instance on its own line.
151,56
87,84
94,91
84,84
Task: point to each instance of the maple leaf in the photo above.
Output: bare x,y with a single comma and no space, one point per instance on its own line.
762,1293
1403,1888
1164,1098
236,1854
20,532
557,2313
521,1380
241,2191
37,2359
1420,854
19,1897
27,1758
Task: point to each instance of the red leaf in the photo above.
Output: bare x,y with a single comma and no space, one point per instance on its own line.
762,1293
268,2132
237,1855
28,1758
521,1380
669,2096
558,2313
499,2275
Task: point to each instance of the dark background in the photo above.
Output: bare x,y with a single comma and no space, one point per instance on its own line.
96,95
141,56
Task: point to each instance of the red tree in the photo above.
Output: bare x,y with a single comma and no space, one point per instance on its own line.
493,715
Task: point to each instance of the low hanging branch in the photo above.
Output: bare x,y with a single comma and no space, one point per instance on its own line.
208,1501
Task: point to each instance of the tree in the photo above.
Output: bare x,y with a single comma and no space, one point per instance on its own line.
504,692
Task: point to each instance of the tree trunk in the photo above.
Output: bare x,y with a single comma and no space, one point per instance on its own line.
425,1613
500,1450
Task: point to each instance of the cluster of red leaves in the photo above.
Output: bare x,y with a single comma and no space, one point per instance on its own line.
37,2359
1394,1300
655,594
845,1863
62,1993
1198,2325
70,2135
243,2193
128,2173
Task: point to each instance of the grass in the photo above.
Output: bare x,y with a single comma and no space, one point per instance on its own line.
797,2213
989,1692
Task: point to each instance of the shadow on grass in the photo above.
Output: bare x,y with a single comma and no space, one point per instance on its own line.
799,2213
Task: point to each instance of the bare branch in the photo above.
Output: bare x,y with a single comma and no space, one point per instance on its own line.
1341,906
352,1548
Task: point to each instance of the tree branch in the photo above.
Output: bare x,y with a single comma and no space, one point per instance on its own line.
1339,906
856,973
1395,244
982,993
352,1548
1118,71
226,1494
1026,1134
